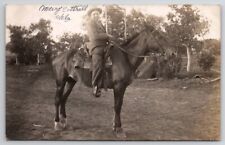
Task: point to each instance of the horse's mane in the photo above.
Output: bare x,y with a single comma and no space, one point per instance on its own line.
66,55
131,39
160,35
157,34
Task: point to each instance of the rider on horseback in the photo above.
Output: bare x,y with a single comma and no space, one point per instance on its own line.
98,41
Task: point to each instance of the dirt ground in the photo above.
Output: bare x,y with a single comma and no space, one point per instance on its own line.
178,109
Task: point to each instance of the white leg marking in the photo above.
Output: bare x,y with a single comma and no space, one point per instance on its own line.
57,126
63,121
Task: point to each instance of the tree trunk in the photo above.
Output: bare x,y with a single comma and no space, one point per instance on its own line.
106,17
188,57
17,62
38,59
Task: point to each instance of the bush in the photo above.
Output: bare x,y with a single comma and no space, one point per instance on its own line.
11,60
169,66
206,59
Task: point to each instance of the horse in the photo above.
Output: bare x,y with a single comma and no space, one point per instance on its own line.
63,67
125,60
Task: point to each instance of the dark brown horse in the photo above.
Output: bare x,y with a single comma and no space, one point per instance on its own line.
125,60
64,69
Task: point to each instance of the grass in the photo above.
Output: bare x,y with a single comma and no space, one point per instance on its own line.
177,109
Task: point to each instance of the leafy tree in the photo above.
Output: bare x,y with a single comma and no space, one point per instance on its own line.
210,49
28,44
18,36
185,25
156,21
213,45
206,59
115,21
135,22
68,41
39,39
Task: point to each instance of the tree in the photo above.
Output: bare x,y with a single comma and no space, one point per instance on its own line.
115,21
18,36
184,27
40,38
206,59
135,22
156,21
68,41
213,45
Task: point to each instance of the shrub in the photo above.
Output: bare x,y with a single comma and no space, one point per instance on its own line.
206,59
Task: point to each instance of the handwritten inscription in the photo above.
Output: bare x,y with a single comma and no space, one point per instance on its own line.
63,12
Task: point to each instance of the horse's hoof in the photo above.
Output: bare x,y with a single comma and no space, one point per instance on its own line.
119,132
63,122
57,126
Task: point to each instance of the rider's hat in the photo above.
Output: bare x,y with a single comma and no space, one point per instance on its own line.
94,9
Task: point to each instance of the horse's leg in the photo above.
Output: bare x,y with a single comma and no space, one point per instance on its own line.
58,98
69,86
119,90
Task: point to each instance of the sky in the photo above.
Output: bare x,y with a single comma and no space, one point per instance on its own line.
69,18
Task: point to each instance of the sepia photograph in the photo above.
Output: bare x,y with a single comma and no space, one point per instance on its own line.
113,72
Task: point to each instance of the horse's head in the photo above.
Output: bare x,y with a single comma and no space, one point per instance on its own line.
78,58
155,41
149,40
